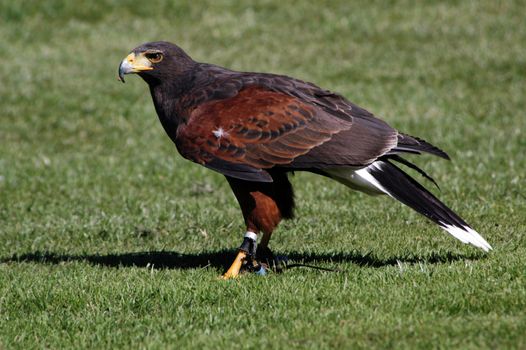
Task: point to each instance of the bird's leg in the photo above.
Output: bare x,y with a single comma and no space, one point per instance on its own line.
263,204
265,256
246,255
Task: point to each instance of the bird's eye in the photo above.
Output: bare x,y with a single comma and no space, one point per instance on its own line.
154,57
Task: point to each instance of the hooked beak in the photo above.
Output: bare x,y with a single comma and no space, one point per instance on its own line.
134,64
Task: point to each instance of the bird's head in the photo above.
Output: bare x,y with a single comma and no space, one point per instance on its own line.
156,61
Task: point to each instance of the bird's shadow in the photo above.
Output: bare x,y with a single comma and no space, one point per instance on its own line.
221,259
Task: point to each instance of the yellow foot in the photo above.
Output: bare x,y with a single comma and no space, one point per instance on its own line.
233,271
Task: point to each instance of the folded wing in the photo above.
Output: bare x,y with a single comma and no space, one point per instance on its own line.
259,128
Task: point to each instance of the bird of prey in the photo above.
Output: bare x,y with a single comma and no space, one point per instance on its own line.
256,128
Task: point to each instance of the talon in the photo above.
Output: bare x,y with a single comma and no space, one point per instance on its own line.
245,258
233,271
270,261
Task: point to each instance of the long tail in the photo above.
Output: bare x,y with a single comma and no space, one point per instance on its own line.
385,177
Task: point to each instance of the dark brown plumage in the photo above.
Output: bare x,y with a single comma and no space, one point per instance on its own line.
254,128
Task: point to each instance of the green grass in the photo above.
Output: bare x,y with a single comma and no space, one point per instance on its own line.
109,239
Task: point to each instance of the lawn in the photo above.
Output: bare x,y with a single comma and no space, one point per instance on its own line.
109,239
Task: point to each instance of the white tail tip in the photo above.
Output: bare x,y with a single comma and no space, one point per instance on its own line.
467,235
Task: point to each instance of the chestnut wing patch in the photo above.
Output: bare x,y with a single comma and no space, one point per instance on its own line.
256,129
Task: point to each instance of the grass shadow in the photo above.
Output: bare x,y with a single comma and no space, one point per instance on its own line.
155,259
222,259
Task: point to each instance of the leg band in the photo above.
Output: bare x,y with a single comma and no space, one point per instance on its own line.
251,235
249,244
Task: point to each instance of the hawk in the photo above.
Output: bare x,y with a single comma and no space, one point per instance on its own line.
256,128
